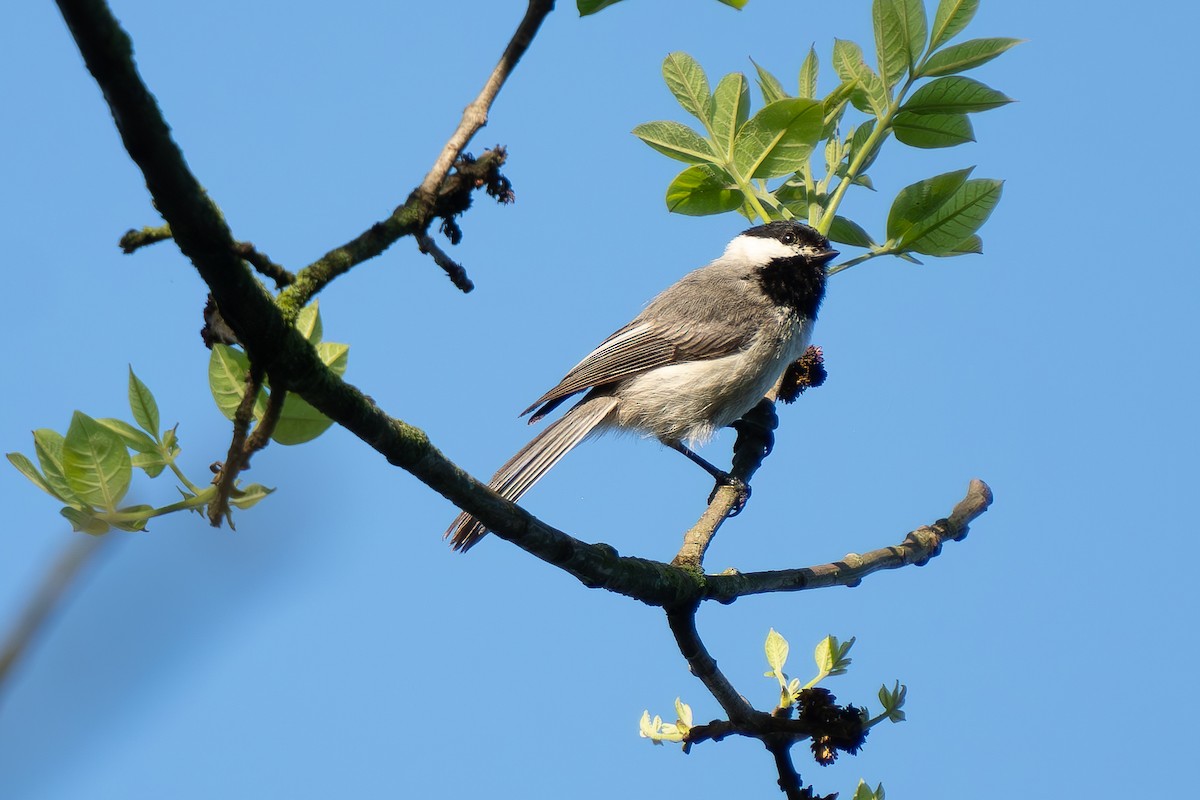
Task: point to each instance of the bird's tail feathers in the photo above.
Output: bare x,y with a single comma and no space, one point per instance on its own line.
534,460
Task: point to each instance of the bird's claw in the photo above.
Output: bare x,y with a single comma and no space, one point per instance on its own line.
740,486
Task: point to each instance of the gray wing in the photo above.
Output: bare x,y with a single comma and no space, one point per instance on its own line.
643,345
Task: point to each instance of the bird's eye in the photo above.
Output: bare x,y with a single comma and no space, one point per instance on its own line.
788,238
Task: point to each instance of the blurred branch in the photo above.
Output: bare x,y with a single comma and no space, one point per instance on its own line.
48,596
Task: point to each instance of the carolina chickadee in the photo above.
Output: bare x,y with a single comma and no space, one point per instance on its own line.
701,355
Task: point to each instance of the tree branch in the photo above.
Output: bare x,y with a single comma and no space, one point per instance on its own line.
429,200
704,666
291,363
475,115
753,444
454,270
917,548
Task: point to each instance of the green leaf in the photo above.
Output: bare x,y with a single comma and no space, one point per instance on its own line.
738,4
954,95
308,322
808,74
587,7
250,495
951,17
687,81
96,463
731,108
863,792
869,93
928,131
965,56
132,437
792,192
899,37
951,225
776,648
858,140
48,445
335,355
920,200
702,190
847,231
772,89
227,371
143,405
824,654
150,463
26,468
83,521
778,139
972,245
676,140
299,422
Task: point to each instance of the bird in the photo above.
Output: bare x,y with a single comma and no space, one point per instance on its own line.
699,356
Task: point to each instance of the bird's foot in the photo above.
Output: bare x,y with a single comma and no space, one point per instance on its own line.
740,486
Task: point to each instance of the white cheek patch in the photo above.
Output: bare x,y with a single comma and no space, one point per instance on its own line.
757,250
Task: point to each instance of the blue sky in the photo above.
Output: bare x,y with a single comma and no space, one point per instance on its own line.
334,646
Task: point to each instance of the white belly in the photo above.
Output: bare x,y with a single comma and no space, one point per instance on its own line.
690,401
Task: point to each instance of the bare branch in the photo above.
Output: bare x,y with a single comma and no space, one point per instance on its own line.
457,275
475,115
917,548
265,266
754,442
704,666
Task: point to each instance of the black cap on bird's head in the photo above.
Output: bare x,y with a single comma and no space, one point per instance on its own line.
801,239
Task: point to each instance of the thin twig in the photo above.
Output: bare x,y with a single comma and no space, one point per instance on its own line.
261,436
475,115
264,265
47,598
454,270
134,239
218,509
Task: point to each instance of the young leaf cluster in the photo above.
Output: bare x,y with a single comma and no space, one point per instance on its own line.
299,422
90,468
916,92
658,731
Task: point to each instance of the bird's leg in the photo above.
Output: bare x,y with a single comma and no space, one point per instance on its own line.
722,477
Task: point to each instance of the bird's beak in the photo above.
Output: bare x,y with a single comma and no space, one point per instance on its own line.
826,257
